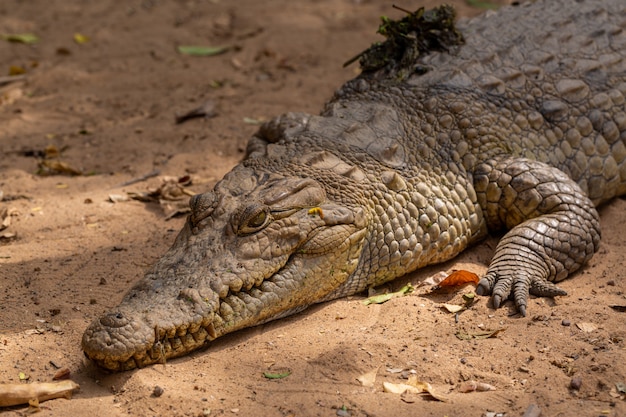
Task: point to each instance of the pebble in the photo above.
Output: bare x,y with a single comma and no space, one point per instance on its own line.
566,322
576,383
157,391
343,413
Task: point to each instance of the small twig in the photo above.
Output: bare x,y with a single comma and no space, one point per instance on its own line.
401,9
139,179
11,78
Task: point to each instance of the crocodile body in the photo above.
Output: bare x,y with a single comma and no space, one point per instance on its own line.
523,129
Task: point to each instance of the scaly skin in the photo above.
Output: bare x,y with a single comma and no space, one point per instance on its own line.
523,129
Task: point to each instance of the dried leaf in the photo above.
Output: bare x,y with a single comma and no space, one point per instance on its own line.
118,198
426,387
33,406
276,375
368,379
587,327
8,235
381,298
400,388
479,335
15,394
16,70
143,197
172,189
80,38
47,167
20,37
202,50
470,386
251,121
458,278
452,308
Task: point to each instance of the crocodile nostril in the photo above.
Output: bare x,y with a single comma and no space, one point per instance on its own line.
202,206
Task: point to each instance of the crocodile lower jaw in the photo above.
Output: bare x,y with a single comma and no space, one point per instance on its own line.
180,342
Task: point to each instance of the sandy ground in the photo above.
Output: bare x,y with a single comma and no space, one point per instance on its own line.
107,108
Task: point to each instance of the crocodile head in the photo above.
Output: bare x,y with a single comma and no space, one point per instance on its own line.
252,250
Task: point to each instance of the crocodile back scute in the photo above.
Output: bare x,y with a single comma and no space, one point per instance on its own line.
520,45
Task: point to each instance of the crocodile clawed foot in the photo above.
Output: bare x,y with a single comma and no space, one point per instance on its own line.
517,288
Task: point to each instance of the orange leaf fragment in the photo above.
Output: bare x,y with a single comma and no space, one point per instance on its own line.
458,278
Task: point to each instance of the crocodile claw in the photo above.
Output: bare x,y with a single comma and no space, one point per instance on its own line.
516,287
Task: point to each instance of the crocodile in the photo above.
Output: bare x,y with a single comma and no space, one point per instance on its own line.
522,129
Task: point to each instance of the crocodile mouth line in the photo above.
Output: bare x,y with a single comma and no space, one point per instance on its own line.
165,348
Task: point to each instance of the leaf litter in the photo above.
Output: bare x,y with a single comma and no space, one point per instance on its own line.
27,38
172,195
194,50
414,386
382,298
369,378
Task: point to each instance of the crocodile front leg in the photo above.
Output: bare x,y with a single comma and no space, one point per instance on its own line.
554,228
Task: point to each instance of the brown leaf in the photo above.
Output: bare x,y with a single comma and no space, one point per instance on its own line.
368,379
48,167
426,387
587,327
458,278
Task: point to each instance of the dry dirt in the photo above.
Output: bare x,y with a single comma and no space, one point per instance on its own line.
109,106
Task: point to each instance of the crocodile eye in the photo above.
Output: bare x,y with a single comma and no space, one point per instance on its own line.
253,220
258,220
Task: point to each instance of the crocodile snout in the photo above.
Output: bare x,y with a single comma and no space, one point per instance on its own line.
118,341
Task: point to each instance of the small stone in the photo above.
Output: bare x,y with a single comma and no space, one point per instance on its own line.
576,383
611,282
566,322
157,391
342,412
